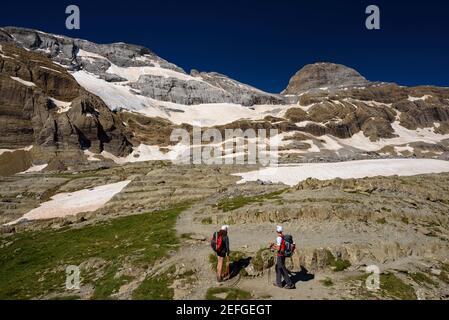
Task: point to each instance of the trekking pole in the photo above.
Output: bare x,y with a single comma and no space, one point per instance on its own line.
228,271
268,274
269,268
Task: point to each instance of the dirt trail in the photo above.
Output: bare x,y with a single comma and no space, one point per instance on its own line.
385,245
196,255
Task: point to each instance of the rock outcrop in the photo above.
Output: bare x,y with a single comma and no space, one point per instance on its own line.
57,94
41,104
324,76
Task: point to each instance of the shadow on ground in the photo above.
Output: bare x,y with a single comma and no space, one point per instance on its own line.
237,266
301,276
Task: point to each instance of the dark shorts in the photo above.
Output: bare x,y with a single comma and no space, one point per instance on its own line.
221,254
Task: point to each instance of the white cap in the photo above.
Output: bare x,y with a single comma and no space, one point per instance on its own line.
279,229
225,228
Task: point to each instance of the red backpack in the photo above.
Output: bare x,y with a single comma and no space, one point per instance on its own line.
216,242
288,246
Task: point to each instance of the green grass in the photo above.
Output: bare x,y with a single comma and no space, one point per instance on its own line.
213,260
420,278
444,277
109,284
405,220
264,258
391,287
337,264
233,257
34,264
445,267
341,265
156,288
238,202
327,282
230,294
207,220
395,288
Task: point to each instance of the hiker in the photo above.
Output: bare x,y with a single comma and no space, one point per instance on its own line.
220,244
281,270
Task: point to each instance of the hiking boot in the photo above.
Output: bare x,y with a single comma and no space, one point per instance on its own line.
290,287
276,285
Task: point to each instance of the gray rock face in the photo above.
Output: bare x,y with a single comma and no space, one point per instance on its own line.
209,88
31,87
69,52
65,50
202,88
324,75
5,37
242,93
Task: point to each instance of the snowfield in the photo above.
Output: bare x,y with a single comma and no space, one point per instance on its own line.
122,96
293,174
214,114
132,74
66,204
27,83
145,152
405,136
35,168
13,150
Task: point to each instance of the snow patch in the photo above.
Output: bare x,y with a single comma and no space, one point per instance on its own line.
53,70
293,174
425,97
114,95
62,105
86,54
144,153
405,136
90,156
35,168
67,204
400,149
304,124
329,143
132,74
27,83
120,96
13,150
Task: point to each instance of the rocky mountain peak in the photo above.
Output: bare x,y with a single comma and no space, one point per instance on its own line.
324,75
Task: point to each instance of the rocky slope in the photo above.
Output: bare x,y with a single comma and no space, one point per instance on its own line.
120,62
399,224
80,108
42,105
63,90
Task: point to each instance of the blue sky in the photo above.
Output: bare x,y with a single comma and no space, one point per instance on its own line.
263,43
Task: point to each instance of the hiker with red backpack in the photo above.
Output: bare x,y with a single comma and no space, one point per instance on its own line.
220,244
285,248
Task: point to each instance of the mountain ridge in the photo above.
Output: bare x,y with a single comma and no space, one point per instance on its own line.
328,111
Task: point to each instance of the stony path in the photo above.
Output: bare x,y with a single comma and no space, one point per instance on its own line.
196,254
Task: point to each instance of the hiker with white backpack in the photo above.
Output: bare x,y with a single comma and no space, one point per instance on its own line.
285,248
220,245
